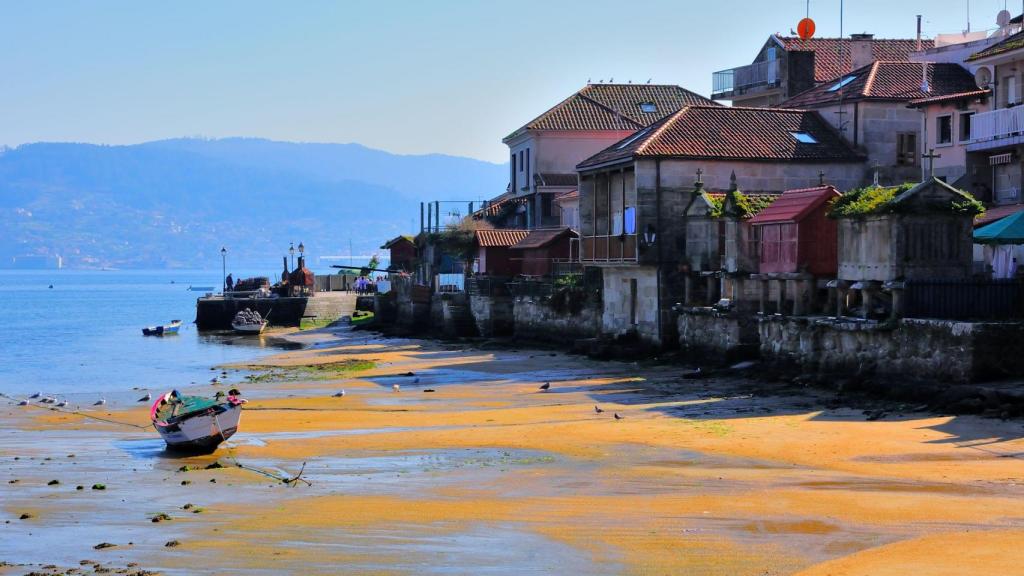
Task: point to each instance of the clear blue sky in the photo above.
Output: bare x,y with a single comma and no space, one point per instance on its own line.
405,76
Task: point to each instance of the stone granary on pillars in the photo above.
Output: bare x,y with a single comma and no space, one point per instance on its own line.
740,251
889,236
797,248
633,196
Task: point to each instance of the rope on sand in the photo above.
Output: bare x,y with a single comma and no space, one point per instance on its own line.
78,412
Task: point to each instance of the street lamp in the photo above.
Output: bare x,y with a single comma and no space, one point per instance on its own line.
302,251
223,270
291,251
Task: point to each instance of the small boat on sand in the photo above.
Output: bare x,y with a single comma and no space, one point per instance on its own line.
249,321
164,330
194,423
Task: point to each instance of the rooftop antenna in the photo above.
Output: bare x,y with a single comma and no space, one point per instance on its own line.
968,17
918,32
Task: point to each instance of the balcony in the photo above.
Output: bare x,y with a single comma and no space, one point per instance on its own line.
997,128
739,80
620,248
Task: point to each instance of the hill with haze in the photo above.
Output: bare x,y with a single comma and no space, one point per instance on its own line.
174,203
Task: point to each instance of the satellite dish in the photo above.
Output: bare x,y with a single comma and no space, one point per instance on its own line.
983,77
805,29
1003,18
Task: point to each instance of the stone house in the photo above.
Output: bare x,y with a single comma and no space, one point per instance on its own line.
634,193
869,108
786,66
543,153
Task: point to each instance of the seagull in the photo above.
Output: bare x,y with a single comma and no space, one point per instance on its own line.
213,380
339,394
146,398
36,395
100,402
617,417
598,410
545,386
48,400
428,389
24,402
416,380
62,403
396,387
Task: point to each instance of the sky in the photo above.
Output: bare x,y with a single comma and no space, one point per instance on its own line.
410,77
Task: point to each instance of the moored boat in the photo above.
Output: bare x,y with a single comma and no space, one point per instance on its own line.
249,321
194,423
164,330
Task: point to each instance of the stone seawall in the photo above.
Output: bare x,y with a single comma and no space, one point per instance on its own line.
217,313
708,332
535,320
494,315
940,350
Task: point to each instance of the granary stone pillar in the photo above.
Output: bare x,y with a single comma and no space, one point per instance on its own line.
688,289
712,287
780,297
898,297
795,287
763,293
842,288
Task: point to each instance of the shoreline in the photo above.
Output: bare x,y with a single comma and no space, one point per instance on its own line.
699,476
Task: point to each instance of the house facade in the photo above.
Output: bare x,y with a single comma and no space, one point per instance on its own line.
869,107
786,66
544,152
634,194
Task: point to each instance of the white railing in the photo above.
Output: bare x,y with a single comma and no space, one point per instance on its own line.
755,74
996,124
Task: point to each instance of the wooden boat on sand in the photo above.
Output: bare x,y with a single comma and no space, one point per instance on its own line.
194,423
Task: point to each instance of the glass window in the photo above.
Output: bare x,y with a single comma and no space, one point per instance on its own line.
906,148
965,126
617,199
520,160
944,130
835,87
648,107
804,137
1011,89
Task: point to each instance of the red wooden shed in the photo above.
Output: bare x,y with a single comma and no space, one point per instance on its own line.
541,248
403,253
493,256
796,234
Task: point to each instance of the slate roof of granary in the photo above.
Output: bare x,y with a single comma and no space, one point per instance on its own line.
733,133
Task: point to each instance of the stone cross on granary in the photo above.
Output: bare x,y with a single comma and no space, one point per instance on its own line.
930,157
700,174
821,177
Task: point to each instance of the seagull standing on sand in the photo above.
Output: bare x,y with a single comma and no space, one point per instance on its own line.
396,387
36,395
24,402
545,386
617,417
62,403
598,410
100,402
146,398
339,394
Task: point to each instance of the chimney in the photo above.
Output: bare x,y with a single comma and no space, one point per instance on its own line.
918,32
861,53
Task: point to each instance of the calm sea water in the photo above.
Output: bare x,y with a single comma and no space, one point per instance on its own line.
85,334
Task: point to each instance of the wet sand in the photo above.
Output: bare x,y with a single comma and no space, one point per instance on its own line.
489,475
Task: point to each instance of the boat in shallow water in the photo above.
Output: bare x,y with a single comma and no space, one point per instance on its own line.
164,330
195,423
249,321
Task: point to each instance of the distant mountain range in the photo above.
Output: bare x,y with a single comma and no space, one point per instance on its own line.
174,203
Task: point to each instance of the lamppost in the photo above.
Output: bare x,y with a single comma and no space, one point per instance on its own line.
302,251
291,251
223,270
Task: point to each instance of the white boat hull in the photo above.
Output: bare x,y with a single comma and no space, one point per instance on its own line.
249,328
205,431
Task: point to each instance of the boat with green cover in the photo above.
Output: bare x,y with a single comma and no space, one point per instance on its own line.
196,423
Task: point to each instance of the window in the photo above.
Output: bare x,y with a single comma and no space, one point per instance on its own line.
838,85
513,167
965,126
633,138
1011,89
804,138
648,107
527,166
520,160
944,129
906,148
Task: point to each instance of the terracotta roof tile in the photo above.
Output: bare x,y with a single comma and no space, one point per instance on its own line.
499,238
993,213
829,65
794,205
888,81
733,133
498,204
967,95
1013,42
615,107
541,238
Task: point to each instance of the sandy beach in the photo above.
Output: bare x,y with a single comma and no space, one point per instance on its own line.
487,474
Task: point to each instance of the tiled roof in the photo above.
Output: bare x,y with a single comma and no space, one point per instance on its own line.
827,62
387,245
889,81
733,133
499,238
794,205
615,107
1011,43
970,94
555,179
541,238
993,213
496,206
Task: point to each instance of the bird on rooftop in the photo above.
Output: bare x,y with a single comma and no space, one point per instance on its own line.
396,387
598,410
649,80
146,398
545,386
100,402
617,417
339,393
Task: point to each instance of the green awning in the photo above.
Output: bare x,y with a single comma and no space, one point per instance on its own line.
1009,230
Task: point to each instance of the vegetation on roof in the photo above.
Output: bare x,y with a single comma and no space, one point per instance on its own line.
882,200
742,205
